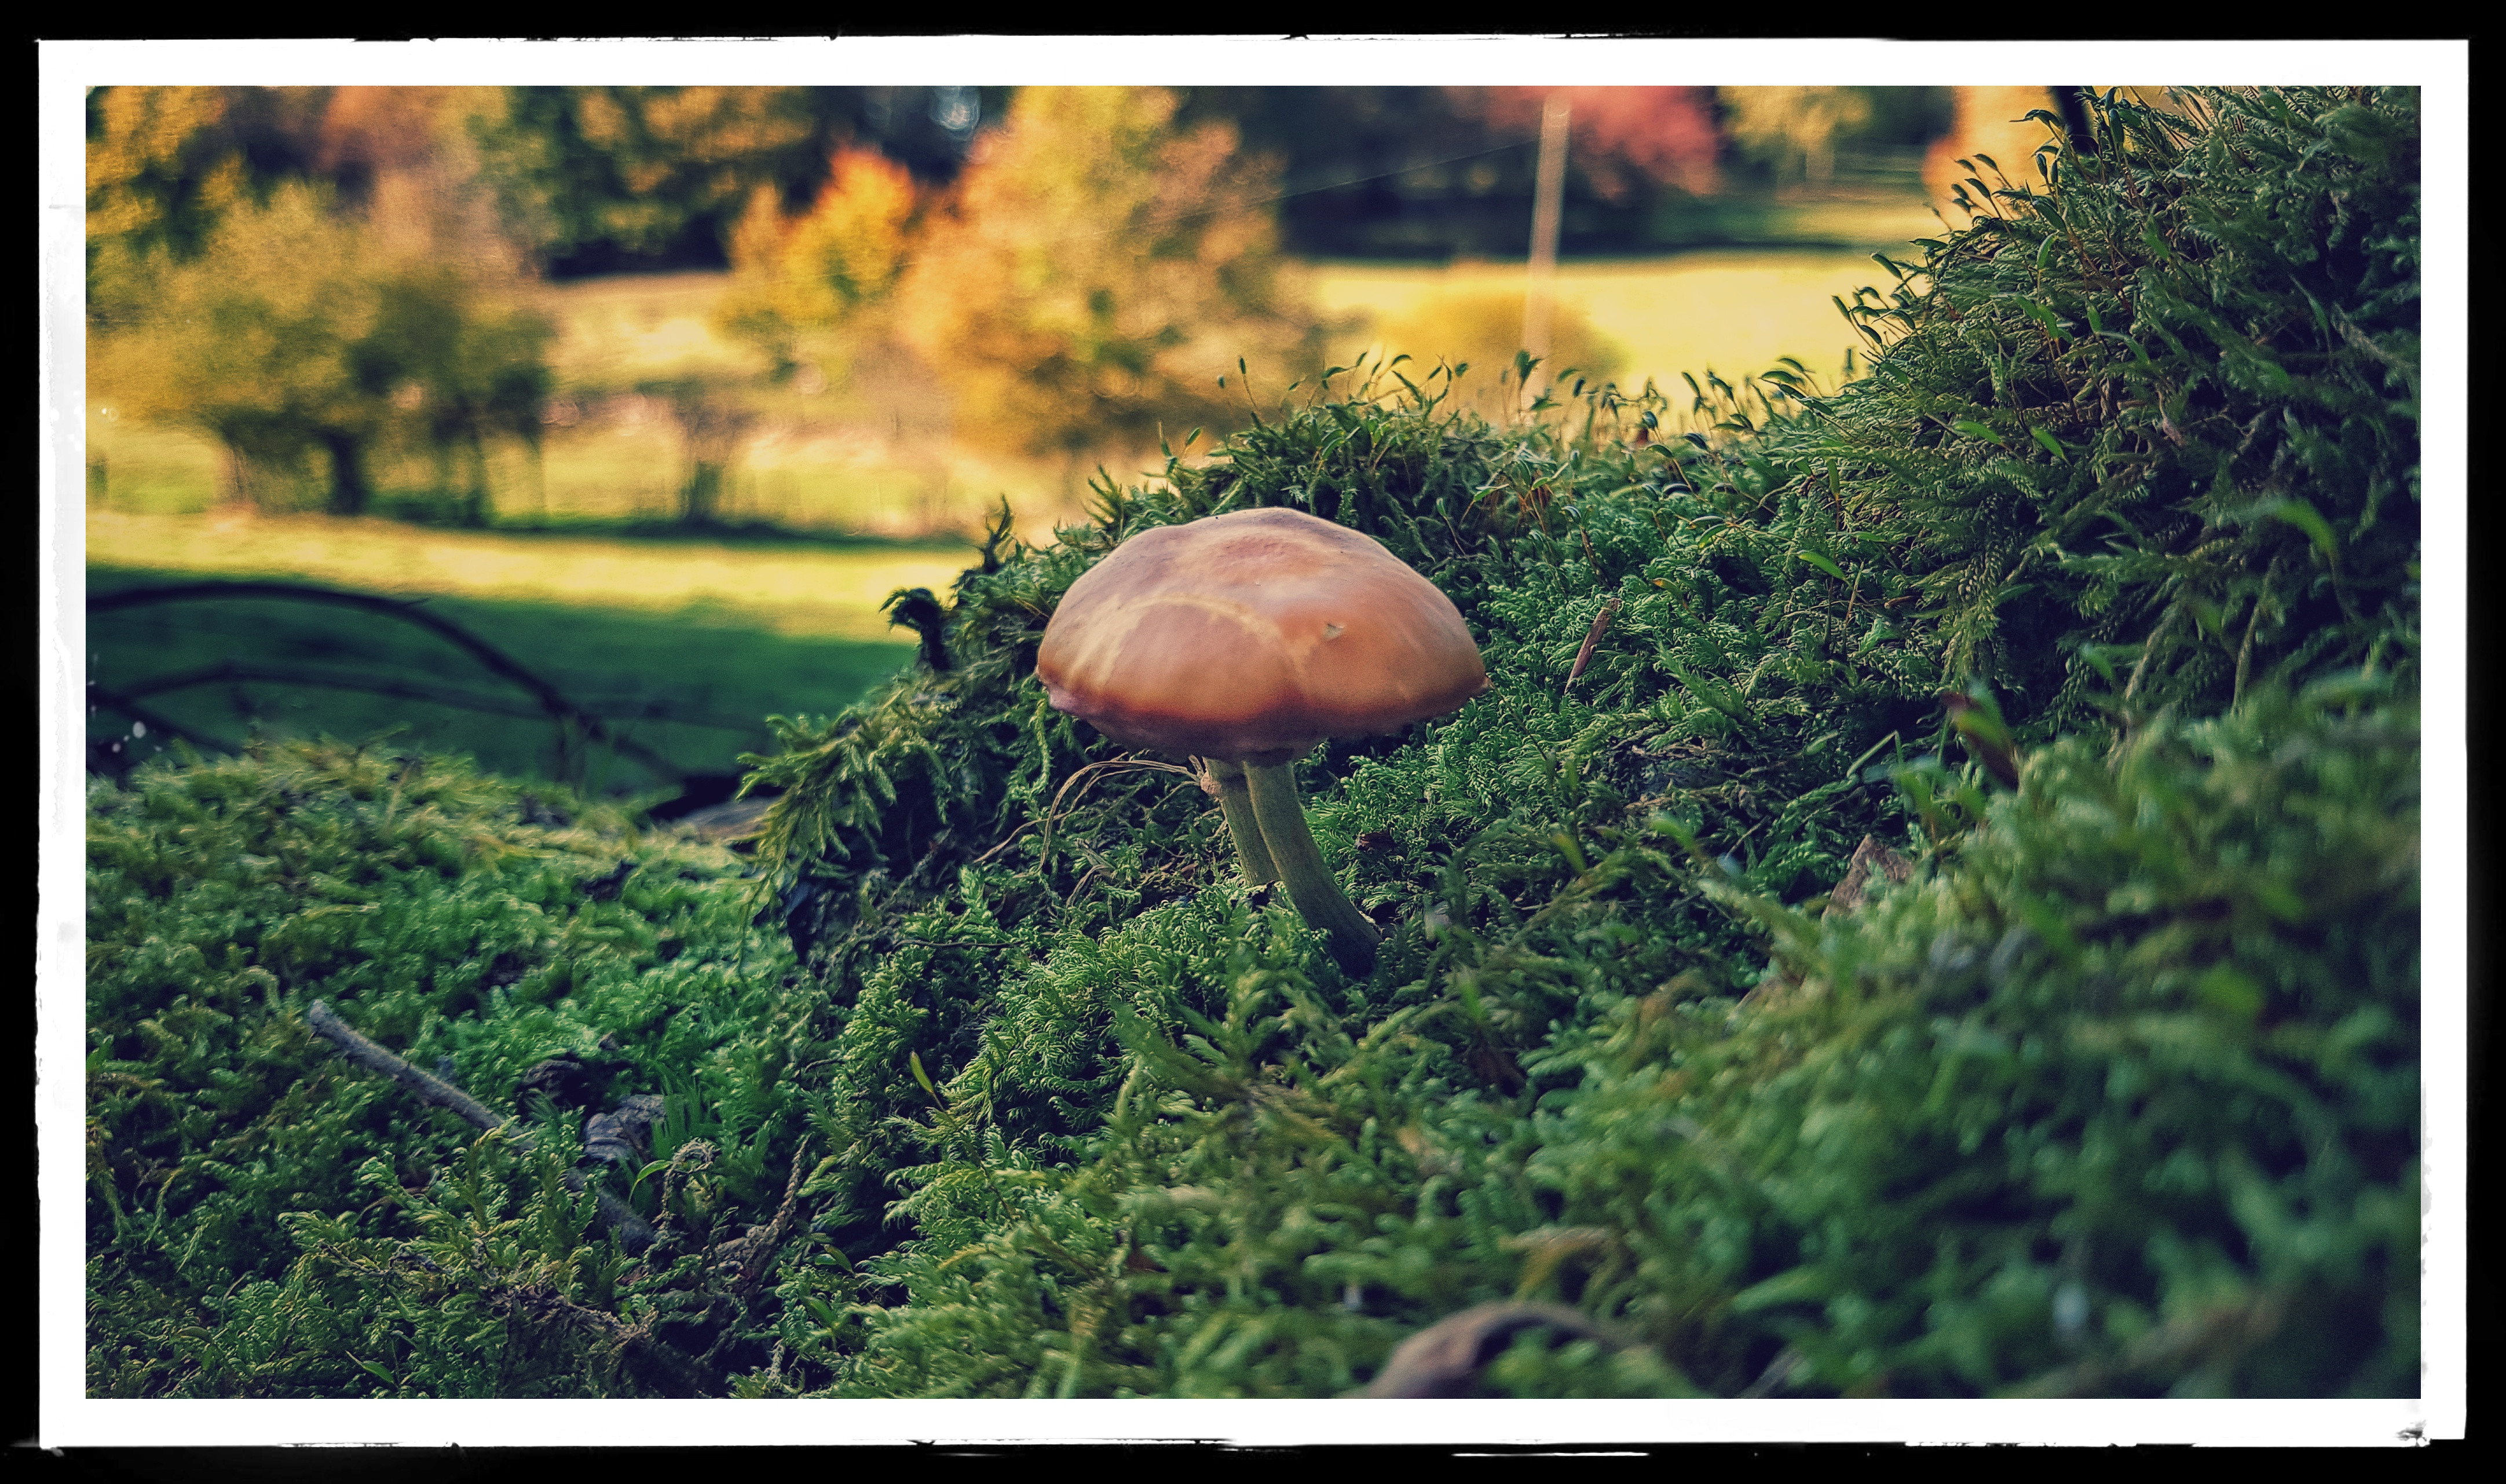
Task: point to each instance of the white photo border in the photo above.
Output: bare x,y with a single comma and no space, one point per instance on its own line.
68,1417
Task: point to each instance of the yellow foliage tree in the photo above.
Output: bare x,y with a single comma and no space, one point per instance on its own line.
158,175
1096,274
152,165
807,289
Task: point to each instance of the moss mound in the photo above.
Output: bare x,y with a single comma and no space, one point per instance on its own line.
2115,1093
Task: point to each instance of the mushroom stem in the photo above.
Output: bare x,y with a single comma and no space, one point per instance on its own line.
1281,812
1235,802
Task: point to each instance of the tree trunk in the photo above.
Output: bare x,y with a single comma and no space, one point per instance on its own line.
234,475
347,474
703,490
476,508
710,431
2073,104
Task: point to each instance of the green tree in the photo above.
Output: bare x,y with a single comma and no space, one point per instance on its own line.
297,343
1097,274
713,416
635,171
470,368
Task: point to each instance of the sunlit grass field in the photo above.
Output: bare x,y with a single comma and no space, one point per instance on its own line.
1733,313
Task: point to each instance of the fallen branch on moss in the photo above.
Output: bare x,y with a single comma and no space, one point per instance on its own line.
1445,1358
633,1231
1869,857
1600,627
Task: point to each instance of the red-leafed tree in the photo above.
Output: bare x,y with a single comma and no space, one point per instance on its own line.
1618,138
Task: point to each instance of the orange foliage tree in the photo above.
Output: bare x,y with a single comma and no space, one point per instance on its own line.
1620,138
1098,271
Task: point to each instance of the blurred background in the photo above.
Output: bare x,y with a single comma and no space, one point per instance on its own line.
617,414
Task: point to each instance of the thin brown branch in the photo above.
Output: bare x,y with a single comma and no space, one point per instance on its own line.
749,1256
763,1247
1006,843
1091,772
1445,1358
631,1230
434,1090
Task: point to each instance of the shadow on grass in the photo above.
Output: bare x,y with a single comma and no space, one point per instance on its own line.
693,687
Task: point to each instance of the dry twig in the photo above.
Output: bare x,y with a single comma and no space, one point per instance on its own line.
631,1230
1445,1358
1583,655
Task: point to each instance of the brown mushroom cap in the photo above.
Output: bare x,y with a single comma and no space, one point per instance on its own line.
1252,636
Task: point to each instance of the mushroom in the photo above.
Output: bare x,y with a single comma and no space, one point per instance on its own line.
1245,640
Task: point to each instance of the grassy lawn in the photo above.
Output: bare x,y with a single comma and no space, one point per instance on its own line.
162,471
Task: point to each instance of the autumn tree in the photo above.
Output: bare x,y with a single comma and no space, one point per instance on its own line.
166,165
1097,272
1621,139
634,171
162,163
594,179
403,159
807,287
158,170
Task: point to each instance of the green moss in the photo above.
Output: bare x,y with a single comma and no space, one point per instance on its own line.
2117,1095
417,900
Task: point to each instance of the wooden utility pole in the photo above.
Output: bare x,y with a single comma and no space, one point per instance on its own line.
1548,207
